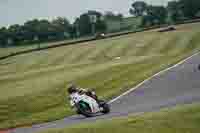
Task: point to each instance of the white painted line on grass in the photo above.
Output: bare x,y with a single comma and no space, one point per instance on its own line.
157,74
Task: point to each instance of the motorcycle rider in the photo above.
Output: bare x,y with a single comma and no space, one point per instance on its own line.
89,92
78,94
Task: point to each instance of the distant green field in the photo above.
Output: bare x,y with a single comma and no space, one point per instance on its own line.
33,86
184,119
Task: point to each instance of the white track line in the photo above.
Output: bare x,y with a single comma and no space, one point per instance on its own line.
157,74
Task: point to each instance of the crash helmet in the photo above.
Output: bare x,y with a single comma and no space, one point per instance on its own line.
72,89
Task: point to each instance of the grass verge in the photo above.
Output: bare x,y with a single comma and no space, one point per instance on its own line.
33,86
183,119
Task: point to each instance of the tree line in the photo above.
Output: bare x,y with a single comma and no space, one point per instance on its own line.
60,28
94,22
176,10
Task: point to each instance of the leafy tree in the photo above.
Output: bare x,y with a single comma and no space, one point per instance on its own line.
16,33
138,8
114,17
147,20
155,15
43,29
174,11
75,28
61,22
61,26
3,36
57,29
88,22
95,13
100,26
190,8
99,23
84,24
72,31
30,29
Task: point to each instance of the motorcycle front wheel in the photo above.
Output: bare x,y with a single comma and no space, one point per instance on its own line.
105,106
84,109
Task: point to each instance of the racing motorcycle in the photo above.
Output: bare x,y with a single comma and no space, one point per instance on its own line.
89,106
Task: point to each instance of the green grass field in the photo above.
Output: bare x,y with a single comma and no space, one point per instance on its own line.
33,86
184,119
9,50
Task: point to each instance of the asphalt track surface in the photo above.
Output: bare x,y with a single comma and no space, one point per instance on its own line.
175,86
